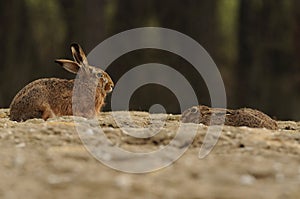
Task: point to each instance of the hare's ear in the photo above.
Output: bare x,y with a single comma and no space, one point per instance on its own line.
69,65
79,55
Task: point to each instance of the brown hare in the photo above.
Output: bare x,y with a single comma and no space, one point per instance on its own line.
50,97
240,117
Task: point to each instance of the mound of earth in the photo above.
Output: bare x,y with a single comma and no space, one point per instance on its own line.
47,159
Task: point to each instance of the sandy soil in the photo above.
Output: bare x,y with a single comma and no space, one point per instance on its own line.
48,160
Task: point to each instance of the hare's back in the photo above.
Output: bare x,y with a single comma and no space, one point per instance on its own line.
30,102
43,86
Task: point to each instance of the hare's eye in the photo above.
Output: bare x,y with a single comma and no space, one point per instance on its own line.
194,110
99,75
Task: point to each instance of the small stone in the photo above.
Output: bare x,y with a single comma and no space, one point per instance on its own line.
247,179
106,156
57,179
21,145
89,132
123,181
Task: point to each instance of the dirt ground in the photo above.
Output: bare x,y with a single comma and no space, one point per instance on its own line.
48,160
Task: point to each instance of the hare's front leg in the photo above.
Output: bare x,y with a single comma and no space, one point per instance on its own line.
47,112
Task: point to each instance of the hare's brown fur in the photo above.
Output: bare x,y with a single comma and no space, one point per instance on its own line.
240,117
50,97
43,98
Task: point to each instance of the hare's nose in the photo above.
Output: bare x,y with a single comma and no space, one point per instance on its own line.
111,87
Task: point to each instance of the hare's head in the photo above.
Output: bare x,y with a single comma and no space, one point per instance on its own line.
81,62
108,85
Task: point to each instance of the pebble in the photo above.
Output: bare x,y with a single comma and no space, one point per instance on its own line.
106,156
21,145
247,179
57,179
89,132
123,181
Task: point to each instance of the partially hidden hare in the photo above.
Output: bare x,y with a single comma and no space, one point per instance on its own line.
50,97
240,117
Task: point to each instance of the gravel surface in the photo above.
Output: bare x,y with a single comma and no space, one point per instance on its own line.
48,159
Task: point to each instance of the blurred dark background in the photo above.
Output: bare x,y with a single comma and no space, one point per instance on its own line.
255,43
